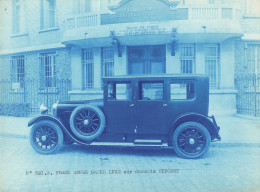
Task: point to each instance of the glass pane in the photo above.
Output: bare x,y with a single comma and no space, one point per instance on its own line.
123,91
151,91
157,67
137,68
182,91
119,91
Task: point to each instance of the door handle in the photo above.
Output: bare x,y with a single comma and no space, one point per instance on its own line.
131,105
164,105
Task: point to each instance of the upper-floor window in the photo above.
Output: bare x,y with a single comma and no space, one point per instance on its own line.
81,6
253,58
187,58
19,16
87,69
212,58
17,69
252,7
48,69
48,14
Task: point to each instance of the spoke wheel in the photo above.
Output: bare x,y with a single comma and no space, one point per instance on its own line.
46,137
87,122
191,140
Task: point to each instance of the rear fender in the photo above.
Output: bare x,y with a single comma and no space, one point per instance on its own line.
58,122
208,122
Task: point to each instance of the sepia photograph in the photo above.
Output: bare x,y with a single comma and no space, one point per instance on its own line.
129,95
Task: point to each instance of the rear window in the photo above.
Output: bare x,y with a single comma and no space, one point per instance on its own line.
182,90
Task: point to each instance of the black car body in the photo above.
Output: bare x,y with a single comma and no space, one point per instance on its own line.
135,110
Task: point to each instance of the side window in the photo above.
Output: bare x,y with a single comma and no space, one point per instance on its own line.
151,91
119,91
182,90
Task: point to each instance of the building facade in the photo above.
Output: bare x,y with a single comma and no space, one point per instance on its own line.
85,40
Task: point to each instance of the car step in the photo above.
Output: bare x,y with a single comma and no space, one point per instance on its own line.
147,142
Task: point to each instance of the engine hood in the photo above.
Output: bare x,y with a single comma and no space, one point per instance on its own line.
96,102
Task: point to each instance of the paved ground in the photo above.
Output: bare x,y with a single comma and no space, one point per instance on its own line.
231,165
222,169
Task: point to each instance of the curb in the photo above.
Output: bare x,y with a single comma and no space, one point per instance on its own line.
213,144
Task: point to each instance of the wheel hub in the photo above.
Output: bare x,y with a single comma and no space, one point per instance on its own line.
44,138
86,122
191,141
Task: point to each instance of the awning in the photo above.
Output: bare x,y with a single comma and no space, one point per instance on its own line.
152,33
251,37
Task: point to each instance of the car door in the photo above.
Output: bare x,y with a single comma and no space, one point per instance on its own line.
151,108
119,107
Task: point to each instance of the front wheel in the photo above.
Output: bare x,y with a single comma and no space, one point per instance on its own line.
191,140
46,137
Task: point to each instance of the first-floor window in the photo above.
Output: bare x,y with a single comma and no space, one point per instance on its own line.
212,64
253,58
48,69
87,69
107,61
187,58
17,69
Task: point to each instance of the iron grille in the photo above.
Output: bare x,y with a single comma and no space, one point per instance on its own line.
187,58
88,69
212,64
107,61
17,69
48,69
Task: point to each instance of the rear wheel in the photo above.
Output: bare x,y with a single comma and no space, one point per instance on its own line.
191,140
46,137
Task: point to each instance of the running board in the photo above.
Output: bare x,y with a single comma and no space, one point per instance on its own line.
129,144
147,142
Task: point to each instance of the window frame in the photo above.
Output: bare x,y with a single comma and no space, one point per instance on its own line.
19,23
107,61
140,90
191,58
179,81
46,15
114,83
87,68
15,76
255,68
48,61
211,59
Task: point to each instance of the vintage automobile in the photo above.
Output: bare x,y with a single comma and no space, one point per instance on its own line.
155,110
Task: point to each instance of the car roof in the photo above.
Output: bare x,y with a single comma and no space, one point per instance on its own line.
156,76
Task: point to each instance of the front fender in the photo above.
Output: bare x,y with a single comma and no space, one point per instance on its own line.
45,117
58,122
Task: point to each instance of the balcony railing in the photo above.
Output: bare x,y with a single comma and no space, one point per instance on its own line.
195,12
213,13
83,20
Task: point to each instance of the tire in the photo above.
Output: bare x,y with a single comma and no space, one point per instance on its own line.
87,122
46,137
191,140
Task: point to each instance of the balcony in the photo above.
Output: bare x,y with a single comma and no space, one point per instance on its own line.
194,23
83,20
213,12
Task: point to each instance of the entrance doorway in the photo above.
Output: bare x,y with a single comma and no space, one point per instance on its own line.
146,59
